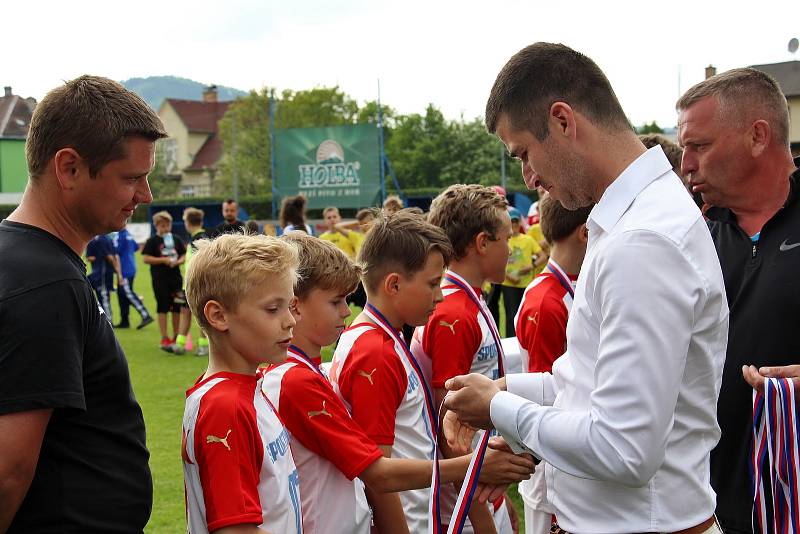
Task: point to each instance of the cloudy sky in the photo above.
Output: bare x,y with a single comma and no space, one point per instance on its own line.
444,52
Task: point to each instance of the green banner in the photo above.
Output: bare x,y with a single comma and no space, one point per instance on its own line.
335,166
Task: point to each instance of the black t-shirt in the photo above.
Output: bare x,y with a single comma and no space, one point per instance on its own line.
58,350
156,247
762,282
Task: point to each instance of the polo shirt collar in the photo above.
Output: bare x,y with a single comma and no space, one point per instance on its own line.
618,197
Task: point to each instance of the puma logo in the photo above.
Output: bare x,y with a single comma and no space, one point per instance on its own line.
367,375
535,318
323,411
215,439
451,326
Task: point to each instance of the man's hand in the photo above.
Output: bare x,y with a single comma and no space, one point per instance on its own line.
470,397
503,468
755,377
458,435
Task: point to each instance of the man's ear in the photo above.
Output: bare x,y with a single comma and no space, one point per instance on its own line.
216,315
561,120
759,137
391,283
68,166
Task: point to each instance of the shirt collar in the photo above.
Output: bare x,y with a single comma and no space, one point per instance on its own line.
618,197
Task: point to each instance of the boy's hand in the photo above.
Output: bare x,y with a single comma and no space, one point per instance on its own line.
503,468
488,492
458,435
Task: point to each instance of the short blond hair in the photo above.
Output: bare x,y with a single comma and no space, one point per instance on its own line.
162,216
227,268
193,216
329,209
464,211
322,266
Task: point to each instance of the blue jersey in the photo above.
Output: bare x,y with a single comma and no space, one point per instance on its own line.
126,248
102,271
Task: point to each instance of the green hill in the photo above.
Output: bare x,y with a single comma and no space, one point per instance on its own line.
154,89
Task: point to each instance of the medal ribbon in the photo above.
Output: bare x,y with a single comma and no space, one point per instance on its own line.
296,354
561,276
434,511
775,432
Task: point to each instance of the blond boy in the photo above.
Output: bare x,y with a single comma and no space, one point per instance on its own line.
238,468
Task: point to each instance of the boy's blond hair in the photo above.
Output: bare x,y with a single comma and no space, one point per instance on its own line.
162,216
322,266
329,209
400,243
393,203
193,216
227,268
464,211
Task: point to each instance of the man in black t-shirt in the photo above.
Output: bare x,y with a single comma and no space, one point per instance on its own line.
165,253
734,130
73,456
231,224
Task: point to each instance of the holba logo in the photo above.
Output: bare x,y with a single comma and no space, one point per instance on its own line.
331,169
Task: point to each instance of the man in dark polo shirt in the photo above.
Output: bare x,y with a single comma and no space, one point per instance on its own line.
734,130
73,456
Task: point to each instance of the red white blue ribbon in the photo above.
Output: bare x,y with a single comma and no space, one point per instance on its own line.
434,510
297,354
462,284
775,437
561,276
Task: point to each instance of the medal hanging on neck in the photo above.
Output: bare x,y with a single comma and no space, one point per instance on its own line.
561,276
473,471
775,438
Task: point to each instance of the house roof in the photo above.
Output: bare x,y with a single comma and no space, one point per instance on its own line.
15,116
208,155
199,116
787,75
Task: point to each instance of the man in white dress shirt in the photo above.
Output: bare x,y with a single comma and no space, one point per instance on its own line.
627,419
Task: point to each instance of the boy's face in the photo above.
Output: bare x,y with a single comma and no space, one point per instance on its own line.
322,313
260,328
497,251
163,226
365,223
332,218
419,294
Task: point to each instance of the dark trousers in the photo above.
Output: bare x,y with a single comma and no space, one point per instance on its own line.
512,298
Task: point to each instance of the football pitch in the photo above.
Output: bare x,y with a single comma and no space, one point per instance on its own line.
160,381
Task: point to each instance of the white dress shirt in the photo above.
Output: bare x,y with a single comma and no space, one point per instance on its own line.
628,417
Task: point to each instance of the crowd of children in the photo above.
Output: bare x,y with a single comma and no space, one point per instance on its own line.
351,447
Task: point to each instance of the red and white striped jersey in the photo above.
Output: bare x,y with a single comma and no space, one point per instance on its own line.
456,340
541,321
237,464
329,449
385,397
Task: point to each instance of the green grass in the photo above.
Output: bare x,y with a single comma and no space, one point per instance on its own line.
160,381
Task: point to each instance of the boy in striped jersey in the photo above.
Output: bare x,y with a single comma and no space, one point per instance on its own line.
239,472
329,448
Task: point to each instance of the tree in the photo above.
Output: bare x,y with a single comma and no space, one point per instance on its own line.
653,127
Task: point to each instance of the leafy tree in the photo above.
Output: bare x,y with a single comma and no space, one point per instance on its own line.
653,127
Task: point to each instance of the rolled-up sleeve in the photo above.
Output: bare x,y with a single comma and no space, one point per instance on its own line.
646,293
